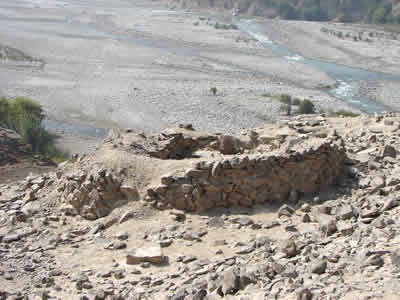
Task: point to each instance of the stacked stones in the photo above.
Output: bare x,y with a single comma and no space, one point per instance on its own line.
252,179
95,195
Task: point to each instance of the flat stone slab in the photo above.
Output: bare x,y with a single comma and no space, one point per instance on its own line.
152,255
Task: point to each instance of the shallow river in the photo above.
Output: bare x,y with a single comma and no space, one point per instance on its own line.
349,80
78,20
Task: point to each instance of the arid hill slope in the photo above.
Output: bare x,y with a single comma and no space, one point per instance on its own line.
333,234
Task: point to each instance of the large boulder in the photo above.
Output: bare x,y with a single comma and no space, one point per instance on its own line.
9,146
151,254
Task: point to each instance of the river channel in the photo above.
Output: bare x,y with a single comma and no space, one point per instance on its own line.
349,80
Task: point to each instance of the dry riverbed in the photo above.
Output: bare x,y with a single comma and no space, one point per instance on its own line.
141,66
365,46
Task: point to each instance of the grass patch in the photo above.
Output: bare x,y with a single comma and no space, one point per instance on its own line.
25,116
346,113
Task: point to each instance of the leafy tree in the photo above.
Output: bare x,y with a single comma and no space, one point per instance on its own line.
314,12
286,101
22,108
306,107
296,101
287,11
25,116
285,98
383,14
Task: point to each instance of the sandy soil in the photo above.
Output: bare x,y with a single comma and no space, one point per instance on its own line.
125,64
22,169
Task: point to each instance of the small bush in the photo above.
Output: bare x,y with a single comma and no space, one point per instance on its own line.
346,113
225,26
306,107
296,101
286,99
213,90
25,116
4,109
286,108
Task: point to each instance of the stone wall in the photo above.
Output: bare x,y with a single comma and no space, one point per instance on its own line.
251,179
95,195
9,146
192,171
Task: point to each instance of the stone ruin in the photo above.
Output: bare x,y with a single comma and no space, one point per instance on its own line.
10,146
247,180
197,172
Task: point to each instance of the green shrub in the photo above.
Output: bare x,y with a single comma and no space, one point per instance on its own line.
346,113
314,13
25,116
286,99
296,101
23,108
383,14
306,107
4,110
286,108
213,90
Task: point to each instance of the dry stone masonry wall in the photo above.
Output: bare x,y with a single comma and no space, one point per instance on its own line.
95,195
195,171
247,180
9,141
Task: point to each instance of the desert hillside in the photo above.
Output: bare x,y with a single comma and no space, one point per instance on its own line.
305,208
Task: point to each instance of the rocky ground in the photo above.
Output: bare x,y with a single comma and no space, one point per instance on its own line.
16,161
336,242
